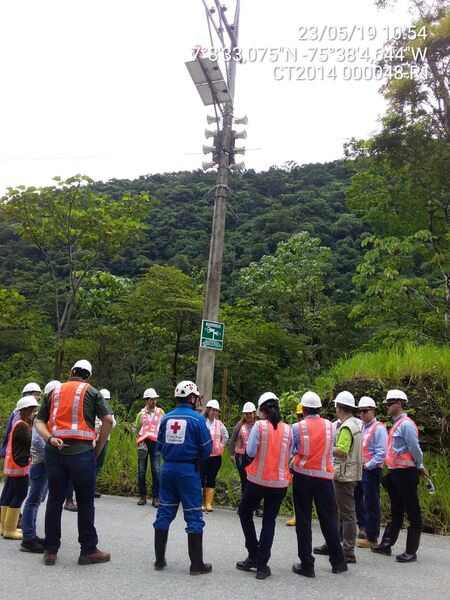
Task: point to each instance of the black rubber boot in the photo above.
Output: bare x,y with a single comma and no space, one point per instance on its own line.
160,548
195,548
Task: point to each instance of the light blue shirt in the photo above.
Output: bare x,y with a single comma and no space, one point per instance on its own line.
405,438
377,446
37,443
253,442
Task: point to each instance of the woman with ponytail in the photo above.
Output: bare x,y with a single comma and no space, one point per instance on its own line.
267,479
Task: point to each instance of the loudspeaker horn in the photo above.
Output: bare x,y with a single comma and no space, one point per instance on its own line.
209,133
239,150
239,135
212,120
241,120
207,165
237,166
208,149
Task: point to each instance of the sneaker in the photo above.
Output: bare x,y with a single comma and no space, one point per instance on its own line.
323,549
341,568
366,543
382,549
96,557
32,546
299,569
246,565
142,500
263,573
49,558
70,506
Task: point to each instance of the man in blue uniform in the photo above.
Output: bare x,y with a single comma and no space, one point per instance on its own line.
185,442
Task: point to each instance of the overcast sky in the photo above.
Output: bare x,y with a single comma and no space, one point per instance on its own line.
99,87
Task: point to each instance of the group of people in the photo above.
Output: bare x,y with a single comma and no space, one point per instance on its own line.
329,464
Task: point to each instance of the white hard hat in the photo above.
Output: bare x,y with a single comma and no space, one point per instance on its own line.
345,398
366,402
248,407
395,395
213,404
185,389
265,398
83,364
30,388
26,401
311,400
150,393
51,386
105,393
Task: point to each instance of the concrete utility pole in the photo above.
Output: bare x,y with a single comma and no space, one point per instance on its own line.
206,357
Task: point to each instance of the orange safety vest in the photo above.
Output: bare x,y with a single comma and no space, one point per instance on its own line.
216,435
149,425
11,468
244,434
399,461
367,436
66,412
314,455
270,466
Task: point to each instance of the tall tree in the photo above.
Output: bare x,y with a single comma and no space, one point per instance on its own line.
73,228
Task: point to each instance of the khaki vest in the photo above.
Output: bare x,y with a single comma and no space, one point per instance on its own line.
350,469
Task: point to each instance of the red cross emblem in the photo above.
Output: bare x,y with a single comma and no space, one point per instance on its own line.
175,427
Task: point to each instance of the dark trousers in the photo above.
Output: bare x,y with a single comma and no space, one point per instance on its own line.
209,471
80,470
401,485
155,465
360,506
101,458
371,516
273,497
306,490
242,461
14,491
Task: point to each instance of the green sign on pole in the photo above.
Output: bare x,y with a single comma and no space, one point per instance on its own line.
212,335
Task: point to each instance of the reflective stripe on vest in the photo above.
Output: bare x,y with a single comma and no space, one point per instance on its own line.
270,465
314,456
217,448
244,435
366,437
399,461
149,426
11,468
66,412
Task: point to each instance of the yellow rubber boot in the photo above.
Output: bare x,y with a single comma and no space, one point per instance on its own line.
209,497
10,531
203,500
292,522
2,518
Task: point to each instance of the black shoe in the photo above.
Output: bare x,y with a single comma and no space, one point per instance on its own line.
259,512
305,571
34,546
246,565
406,558
39,539
97,495
321,550
350,559
339,568
382,549
263,573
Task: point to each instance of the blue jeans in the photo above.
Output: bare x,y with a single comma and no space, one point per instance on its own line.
180,482
155,465
307,489
80,469
371,480
36,495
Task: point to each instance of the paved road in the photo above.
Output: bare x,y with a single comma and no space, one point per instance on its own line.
126,531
